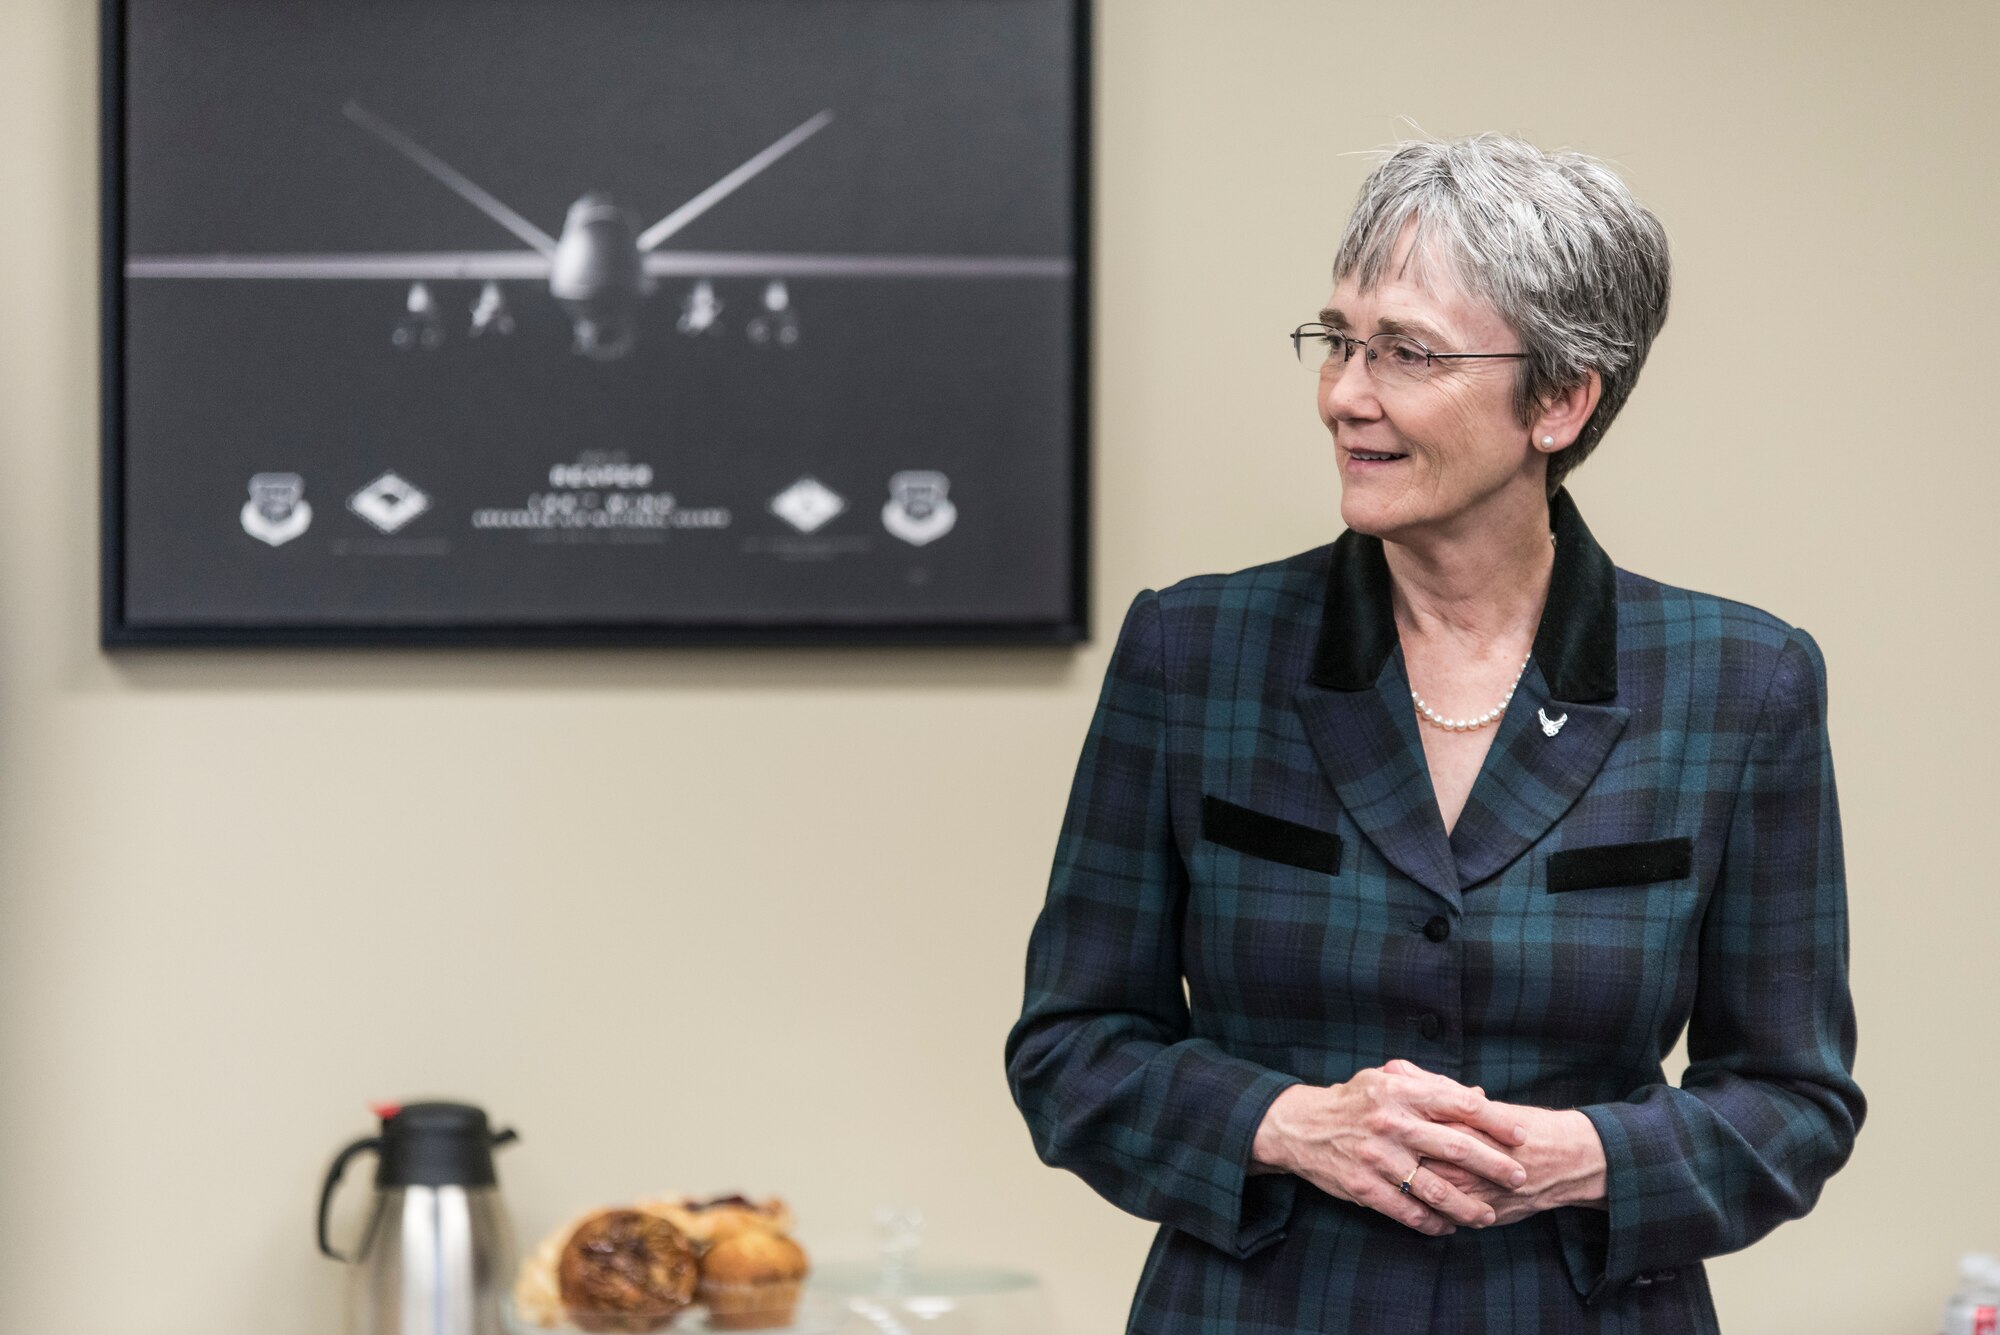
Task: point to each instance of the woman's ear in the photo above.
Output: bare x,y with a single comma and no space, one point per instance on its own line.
1563,415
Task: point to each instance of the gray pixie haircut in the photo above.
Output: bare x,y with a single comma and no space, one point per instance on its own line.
1553,241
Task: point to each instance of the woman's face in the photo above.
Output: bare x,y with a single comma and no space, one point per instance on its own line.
1460,442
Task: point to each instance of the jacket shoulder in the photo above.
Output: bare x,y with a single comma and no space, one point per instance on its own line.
1207,622
1744,646
1283,587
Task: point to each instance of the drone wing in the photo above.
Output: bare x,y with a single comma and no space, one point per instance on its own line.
653,236
535,263
416,266
457,181
501,265
744,264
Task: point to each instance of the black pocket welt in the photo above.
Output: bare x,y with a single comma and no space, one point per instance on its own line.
1605,865
1266,836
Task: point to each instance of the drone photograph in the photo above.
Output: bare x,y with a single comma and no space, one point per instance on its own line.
705,315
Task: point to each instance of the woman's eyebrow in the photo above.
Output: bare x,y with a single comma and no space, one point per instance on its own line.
1416,329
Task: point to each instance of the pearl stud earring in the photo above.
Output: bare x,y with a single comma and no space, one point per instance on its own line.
1548,442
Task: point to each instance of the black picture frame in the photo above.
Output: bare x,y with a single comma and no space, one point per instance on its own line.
1054,611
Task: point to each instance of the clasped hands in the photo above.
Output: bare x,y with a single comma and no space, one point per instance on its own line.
1483,1162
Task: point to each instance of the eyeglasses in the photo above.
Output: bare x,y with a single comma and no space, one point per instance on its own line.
1396,358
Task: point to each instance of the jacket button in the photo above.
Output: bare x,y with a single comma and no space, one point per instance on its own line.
1437,929
1430,1026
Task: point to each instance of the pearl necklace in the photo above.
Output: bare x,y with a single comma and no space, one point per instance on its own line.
1477,722
1480,720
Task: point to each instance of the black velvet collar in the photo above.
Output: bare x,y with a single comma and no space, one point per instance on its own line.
1576,643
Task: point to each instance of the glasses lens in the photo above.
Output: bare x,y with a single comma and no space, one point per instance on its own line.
1397,359
1315,344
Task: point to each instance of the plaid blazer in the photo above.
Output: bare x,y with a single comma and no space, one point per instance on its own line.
1253,887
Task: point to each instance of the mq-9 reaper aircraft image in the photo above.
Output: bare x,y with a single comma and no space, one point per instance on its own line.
601,266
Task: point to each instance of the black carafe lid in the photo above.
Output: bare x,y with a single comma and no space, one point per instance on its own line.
436,1145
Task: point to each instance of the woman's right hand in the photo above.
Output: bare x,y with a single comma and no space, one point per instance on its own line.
1357,1141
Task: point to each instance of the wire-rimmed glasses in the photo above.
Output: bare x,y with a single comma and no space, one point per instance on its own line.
1396,358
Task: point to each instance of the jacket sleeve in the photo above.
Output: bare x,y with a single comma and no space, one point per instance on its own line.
1768,1108
1100,1062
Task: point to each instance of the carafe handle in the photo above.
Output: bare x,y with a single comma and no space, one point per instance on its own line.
369,1143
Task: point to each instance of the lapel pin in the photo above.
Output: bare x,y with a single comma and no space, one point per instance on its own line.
1551,726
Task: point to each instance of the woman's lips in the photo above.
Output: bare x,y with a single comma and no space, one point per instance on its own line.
1356,462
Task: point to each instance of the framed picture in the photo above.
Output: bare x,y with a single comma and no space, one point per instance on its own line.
595,321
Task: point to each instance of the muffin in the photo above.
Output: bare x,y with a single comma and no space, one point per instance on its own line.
751,1280
625,1271
708,1222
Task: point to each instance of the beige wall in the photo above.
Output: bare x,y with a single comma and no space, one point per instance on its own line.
722,919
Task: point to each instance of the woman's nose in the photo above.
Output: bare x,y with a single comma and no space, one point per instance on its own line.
1350,391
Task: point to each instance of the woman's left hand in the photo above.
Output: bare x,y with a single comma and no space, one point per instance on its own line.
1563,1155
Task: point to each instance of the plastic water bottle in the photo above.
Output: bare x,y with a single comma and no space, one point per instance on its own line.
1975,1308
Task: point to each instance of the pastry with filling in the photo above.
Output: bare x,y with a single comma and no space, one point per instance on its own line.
625,1271
709,1222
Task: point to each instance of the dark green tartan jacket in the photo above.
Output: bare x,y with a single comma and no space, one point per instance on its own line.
1253,887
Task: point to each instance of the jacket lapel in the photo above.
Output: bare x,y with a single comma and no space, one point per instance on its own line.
1356,711
1529,778
1367,743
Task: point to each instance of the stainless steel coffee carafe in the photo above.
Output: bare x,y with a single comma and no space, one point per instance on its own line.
437,1254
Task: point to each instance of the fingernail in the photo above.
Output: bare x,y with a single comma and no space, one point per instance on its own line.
1492,1218
1520,1133
1520,1176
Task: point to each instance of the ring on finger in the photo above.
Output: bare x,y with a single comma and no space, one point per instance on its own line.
1404,1186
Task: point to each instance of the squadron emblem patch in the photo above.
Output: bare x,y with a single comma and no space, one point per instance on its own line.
918,511
276,511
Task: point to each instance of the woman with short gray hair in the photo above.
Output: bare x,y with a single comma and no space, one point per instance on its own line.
1392,871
